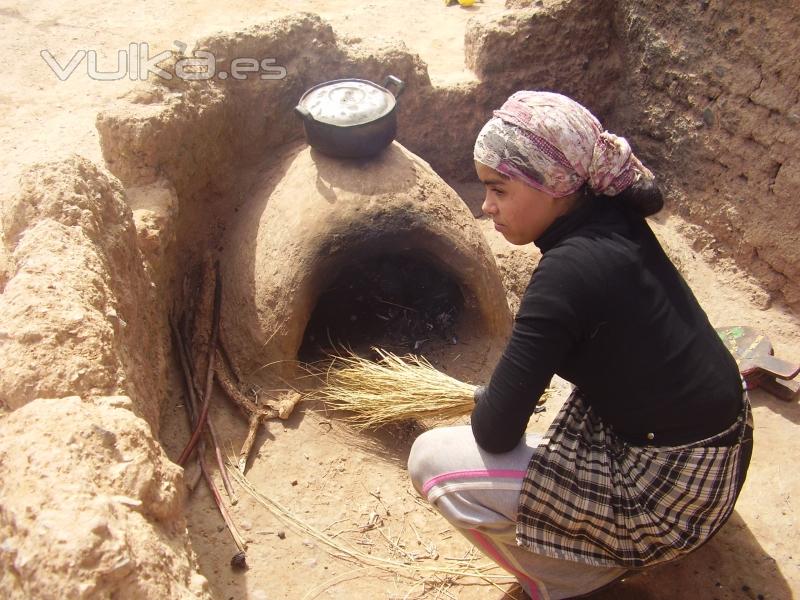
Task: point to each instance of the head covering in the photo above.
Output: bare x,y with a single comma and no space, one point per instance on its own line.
555,145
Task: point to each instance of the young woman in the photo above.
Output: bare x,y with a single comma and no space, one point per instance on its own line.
645,460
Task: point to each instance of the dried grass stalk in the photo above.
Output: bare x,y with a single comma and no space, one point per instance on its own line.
393,389
339,548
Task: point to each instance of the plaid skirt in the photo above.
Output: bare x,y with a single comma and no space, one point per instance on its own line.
590,497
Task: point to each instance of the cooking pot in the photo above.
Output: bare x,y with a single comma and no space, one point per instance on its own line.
350,118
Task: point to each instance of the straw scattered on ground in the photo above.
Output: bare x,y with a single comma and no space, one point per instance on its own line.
421,569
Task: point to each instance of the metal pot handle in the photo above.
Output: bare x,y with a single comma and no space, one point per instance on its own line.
304,113
398,83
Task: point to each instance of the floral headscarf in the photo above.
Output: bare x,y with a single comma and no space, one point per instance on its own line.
555,145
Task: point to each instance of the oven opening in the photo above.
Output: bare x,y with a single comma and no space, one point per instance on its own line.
398,302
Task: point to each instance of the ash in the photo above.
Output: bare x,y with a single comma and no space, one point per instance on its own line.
395,302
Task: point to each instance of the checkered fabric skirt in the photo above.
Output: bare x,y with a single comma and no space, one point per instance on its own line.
590,497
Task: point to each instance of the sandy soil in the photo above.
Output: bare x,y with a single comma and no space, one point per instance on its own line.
315,467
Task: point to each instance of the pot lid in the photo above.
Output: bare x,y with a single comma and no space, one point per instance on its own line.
348,102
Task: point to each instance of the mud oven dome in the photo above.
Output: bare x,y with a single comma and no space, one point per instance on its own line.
357,252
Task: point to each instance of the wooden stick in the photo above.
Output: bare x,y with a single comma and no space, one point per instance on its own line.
201,420
281,408
192,404
255,414
197,475
238,559
244,453
202,321
223,470
191,367
228,357
247,406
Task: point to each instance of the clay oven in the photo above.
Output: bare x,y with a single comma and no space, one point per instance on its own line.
331,252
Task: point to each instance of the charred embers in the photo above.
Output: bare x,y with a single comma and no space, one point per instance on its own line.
396,301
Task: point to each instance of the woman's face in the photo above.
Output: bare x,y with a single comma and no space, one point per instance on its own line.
521,213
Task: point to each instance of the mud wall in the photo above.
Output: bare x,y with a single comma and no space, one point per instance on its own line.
706,91
568,46
91,507
79,312
714,94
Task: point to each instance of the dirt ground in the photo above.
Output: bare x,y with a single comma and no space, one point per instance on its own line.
355,486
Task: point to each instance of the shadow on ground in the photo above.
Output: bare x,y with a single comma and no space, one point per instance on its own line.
731,565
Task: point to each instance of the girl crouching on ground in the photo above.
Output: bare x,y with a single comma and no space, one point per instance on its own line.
646,458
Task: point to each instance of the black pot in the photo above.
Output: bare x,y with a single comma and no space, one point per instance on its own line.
350,118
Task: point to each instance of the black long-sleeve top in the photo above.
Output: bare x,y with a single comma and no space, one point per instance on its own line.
608,311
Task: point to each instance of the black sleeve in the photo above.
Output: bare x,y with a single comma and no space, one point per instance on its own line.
554,312
479,393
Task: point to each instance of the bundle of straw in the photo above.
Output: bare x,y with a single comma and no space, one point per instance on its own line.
393,389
